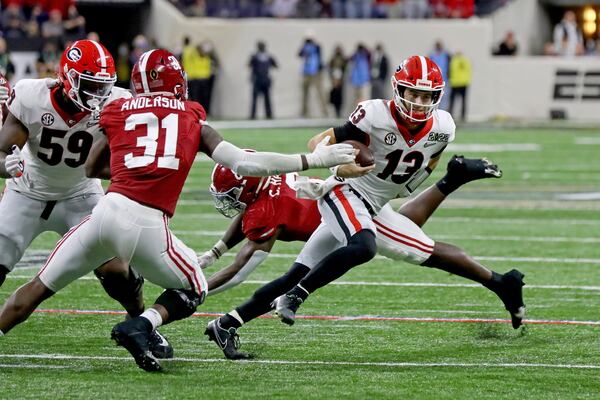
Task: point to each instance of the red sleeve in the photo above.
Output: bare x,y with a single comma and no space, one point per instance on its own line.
107,112
259,222
197,109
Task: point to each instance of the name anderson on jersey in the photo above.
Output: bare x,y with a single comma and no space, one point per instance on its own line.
158,101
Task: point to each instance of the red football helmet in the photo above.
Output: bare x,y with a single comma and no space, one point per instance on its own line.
4,95
231,192
158,72
422,74
87,72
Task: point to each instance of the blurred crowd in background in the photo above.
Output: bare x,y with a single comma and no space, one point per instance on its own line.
338,8
346,76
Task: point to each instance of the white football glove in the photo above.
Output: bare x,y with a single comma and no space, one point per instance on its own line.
207,259
4,93
14,162
324,156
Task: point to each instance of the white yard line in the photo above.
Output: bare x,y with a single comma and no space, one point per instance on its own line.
68,357
483,220
542,239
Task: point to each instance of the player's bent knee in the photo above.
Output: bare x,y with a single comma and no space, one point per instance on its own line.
120,286
416,255
180,303
10,252
364,244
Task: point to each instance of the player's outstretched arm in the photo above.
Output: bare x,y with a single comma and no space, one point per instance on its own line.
13,133
232,237
98,162
250,256
265,163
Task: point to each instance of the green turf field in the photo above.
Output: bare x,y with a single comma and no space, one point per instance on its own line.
439,336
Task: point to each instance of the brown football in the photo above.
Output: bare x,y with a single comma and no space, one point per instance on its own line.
364,158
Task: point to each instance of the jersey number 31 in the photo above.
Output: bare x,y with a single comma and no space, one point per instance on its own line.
150,141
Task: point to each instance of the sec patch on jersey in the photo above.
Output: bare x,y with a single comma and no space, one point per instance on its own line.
364,158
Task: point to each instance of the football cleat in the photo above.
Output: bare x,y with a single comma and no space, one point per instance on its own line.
511,294
227,339
134,335
471,169
160,346
286,306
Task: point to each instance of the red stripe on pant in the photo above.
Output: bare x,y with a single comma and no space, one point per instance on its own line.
428,251
347,208
175,261
61,241
379,224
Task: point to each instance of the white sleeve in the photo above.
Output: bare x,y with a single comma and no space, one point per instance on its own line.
255,260
255,164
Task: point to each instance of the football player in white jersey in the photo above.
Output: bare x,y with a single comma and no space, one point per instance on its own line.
406,136
45,140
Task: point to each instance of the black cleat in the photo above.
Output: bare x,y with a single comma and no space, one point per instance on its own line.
134,335
471,169
160,346
286,306
511,294
227,339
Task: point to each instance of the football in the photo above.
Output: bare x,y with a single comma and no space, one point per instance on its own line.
364,158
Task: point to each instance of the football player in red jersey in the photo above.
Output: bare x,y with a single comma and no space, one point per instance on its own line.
148,149
50,127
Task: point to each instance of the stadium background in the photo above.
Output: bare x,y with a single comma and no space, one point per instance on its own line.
384,330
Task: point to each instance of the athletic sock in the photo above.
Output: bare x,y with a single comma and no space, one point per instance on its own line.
300,292
230,320
153,316
495,283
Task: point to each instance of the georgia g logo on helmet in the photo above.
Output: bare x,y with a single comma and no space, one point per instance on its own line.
74,54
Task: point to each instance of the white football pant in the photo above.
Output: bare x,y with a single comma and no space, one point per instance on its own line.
21,221
138,235
343,214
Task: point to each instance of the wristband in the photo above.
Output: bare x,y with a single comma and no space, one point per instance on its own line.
219,249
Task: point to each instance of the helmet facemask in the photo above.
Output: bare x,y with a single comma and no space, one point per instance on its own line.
415,112
228,203
89,92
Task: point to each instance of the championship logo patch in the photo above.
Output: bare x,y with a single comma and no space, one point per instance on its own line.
390,138
74,54
153,74
47,119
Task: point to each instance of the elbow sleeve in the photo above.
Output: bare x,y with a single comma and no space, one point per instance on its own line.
255,164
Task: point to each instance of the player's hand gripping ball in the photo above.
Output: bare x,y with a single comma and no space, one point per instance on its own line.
364,158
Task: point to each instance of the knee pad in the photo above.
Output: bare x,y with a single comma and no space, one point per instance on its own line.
120,288
3,272
364,244
180,303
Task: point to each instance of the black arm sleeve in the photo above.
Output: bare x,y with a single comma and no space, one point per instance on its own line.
349,131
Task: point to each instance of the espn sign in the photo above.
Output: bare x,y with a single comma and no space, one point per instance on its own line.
572,84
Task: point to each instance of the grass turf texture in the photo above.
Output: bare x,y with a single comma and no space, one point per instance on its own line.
517,221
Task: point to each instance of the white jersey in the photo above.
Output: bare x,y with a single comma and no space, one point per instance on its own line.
58,144
401,159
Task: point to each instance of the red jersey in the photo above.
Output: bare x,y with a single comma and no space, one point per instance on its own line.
277,206
153,142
